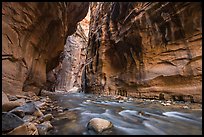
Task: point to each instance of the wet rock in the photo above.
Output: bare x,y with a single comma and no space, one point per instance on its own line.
44,127
43,100
185,107
39,104
120,101
141,113
60,110
10,121
25,129
99,124
28,118
46,117
49,109
37,121
43,110
119,97
130,99
35,98
38,113
19,113
88,100
168,101
28,100
164,104
65,109
28,109
71,115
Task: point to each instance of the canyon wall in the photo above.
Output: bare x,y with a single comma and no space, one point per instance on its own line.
146,50
33,36
74,55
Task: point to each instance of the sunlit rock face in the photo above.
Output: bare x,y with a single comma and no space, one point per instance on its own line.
72,65
146,50
34,34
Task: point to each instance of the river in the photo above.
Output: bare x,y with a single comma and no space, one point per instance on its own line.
129,117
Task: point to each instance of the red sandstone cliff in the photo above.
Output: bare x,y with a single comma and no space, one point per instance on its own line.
34,34
146,49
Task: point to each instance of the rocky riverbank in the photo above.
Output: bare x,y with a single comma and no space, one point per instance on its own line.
26,114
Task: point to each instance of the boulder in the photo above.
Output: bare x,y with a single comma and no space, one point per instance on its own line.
38,113
40,104
10,105
99,124
19,113
46,117
28,118
25,129
29,109
10,121
44,127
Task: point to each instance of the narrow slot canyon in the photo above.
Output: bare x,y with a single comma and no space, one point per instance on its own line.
101,68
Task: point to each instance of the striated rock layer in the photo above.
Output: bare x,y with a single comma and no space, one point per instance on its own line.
145,50
70,73
34,34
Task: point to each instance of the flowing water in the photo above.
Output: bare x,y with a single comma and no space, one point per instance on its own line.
129,117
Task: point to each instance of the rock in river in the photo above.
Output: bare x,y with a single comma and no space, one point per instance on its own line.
46,117
44,127
99,124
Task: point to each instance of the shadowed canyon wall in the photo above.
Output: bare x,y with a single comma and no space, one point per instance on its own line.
145,50
34,35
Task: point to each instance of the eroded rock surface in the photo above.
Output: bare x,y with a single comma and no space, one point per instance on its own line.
34,34
70,71
146,50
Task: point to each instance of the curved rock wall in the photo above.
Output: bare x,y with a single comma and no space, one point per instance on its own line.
146,49
34,34
70,74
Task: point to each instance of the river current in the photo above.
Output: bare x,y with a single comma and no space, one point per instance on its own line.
129,117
